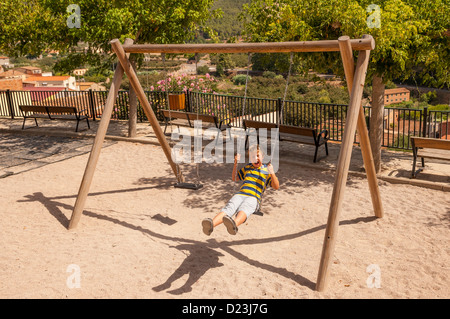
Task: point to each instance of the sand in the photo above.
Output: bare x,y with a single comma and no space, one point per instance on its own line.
139,237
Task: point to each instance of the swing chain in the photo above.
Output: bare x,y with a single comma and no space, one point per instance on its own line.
291,60
246,82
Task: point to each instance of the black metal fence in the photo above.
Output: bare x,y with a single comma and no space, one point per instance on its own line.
398,126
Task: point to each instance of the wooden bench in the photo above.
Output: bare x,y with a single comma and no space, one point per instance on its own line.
302,135
52,113
190,117
429,148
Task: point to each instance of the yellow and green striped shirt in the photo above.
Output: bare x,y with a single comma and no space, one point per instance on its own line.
255,180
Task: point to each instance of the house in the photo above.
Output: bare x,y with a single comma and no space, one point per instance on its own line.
396,95
84,86
67,82
79,72
30,70
13,74
4,60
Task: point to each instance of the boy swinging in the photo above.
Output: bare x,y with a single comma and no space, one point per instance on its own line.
255,176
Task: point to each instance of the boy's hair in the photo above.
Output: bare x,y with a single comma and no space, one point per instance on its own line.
255,148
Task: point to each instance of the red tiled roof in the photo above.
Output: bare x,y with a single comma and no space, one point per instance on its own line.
11,73
48,78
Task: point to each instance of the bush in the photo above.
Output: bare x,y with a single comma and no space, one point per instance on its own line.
240,79
279,77
202,70
269,74
428,97
302,88
439,107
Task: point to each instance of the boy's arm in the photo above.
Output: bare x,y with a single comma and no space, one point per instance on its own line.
275,183
234,177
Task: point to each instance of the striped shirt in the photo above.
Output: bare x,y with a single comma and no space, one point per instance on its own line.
255,180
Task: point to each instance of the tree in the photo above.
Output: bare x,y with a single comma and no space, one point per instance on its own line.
25,28
224,63
48,24
411,39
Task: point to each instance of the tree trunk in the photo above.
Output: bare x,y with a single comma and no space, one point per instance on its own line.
133,99
132,108
376,120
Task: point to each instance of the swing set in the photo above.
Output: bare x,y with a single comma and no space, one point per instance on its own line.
355,76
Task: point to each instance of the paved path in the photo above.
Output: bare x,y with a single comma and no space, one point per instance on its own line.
20,153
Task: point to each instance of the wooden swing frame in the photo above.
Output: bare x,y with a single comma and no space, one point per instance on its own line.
355,77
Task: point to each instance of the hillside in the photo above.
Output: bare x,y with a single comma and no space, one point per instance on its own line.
229,25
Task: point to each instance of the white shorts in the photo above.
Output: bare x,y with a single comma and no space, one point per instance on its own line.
247,204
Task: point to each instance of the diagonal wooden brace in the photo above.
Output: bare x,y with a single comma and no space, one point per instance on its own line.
342,170
97,146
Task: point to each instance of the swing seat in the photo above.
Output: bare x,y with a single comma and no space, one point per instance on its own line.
193,186
259,213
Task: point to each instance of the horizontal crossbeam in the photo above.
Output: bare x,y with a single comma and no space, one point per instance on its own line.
267,47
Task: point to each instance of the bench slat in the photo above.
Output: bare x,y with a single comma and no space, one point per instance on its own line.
298,130
434,153
258,124
298,139
32,108
191,116
62,109
203,117
431,143
175,114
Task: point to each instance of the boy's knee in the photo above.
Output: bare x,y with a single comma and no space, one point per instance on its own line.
241,216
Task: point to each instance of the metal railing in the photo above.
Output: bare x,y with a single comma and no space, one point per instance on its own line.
398,126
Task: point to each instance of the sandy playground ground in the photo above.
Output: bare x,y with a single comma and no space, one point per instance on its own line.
140,237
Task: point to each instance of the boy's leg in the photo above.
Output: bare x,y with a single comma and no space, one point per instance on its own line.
232,223
229,209
240,217
208,224
247,207
218,219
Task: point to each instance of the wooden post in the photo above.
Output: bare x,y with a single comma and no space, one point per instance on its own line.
134,82
342,170
97,146
347,59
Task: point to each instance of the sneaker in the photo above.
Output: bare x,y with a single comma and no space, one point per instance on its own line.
230,225
208,227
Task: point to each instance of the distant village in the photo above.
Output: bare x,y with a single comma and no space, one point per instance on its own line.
32,78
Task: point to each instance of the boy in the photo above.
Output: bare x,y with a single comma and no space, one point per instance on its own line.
256,177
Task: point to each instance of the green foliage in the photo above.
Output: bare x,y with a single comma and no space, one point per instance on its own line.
429,97
439,107
203,69
297,90
390,85
269,74
411,39
25,27
32,27
229,25
224,62
240,79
